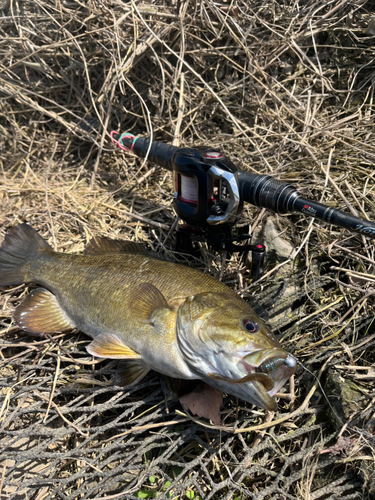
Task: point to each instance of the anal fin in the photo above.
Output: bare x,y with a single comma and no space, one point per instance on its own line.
40,312
130,372
108,345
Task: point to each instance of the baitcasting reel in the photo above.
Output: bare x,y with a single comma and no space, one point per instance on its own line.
209,192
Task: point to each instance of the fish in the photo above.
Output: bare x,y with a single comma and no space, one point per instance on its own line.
147,311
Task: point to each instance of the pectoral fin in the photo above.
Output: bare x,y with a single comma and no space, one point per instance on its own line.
108,345
130,372
40,312
147,299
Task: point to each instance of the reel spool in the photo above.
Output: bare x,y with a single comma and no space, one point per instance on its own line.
207,199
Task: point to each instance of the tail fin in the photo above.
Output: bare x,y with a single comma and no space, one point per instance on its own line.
21,245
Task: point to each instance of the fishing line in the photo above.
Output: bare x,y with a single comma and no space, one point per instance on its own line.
321,388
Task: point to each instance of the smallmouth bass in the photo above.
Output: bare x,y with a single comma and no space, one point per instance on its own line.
156,314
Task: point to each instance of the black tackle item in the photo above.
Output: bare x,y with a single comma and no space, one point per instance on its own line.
209,191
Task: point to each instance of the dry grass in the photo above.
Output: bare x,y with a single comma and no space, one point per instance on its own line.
283,88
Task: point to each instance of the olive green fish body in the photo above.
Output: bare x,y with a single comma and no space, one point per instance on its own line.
101,293
156,314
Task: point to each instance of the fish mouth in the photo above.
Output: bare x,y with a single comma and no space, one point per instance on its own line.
267,370
276,364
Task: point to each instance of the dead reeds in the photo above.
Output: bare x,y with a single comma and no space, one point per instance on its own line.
282,88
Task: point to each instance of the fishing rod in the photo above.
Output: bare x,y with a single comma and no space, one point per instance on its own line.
209,192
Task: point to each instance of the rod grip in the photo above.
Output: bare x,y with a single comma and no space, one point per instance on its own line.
266,192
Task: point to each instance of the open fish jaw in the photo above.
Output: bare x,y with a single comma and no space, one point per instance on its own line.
257,383
276,363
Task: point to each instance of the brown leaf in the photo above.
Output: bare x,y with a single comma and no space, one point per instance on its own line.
342,444
204,401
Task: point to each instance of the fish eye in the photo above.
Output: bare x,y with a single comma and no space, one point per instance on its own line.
250,325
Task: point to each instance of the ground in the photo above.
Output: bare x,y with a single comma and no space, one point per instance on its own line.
285,89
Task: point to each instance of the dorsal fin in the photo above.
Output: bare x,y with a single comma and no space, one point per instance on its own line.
102,244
